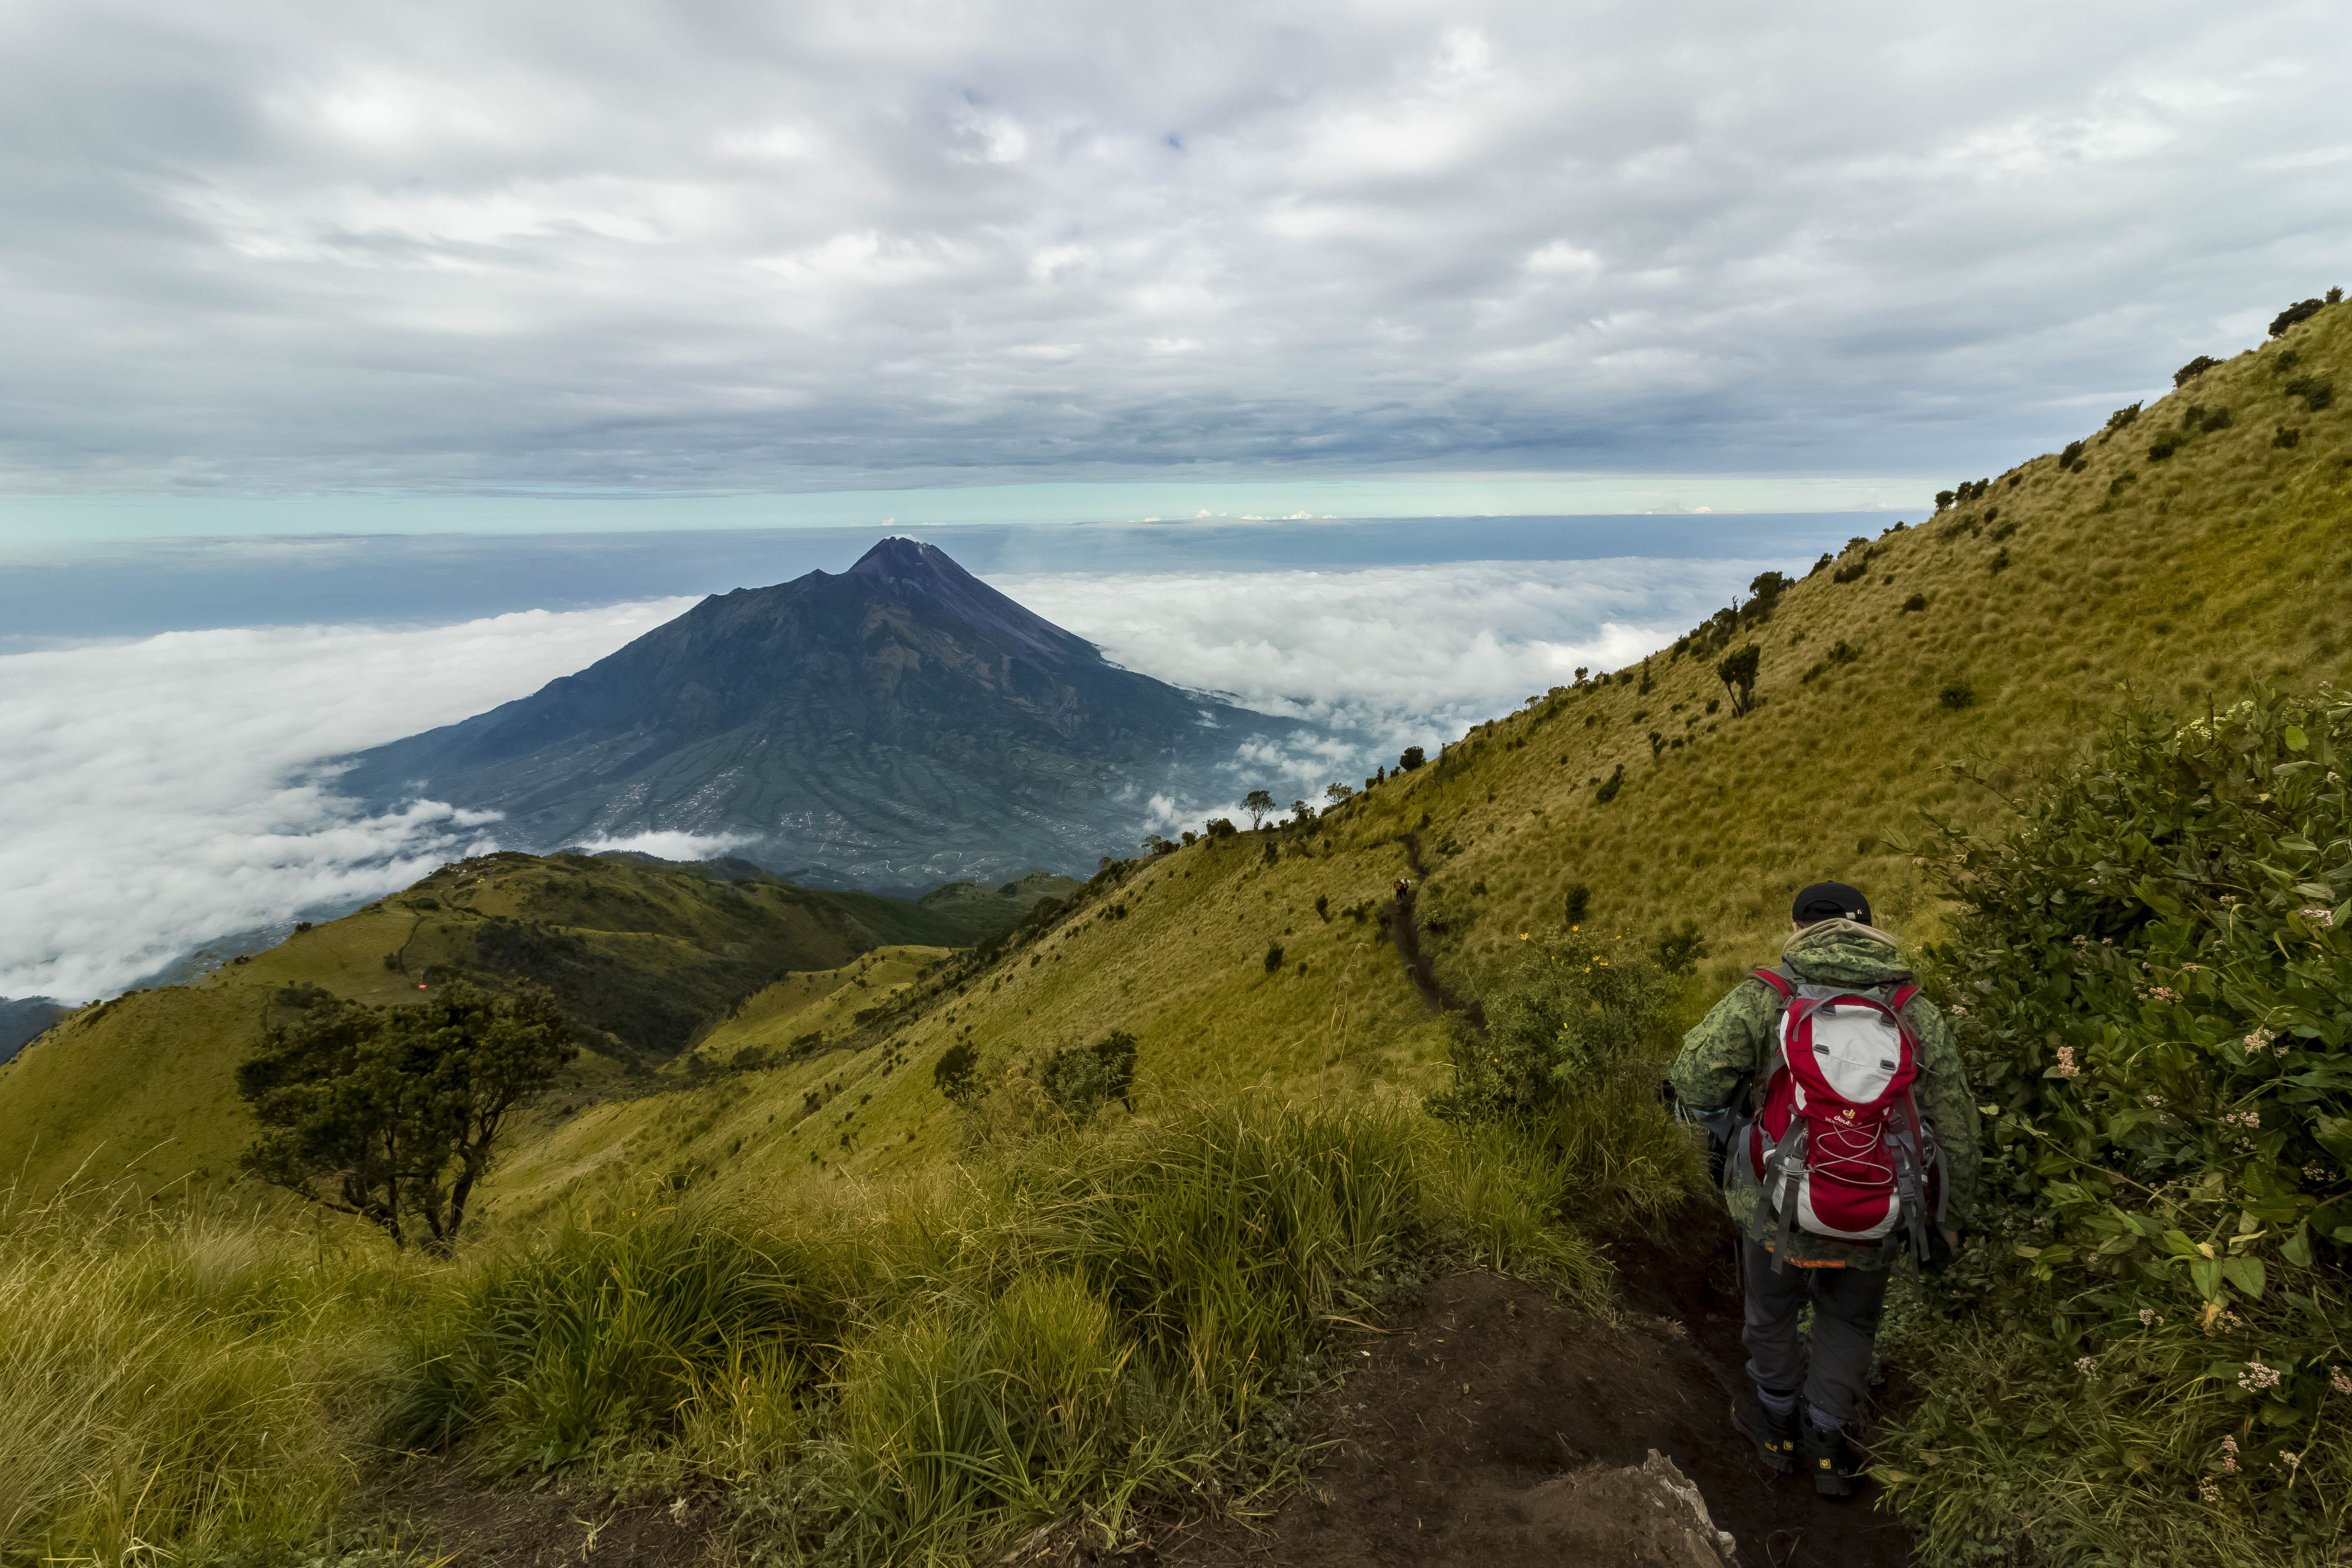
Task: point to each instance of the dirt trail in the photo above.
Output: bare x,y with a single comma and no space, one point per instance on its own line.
1406,932
1464,1408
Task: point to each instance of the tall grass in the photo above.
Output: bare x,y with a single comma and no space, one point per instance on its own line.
188,1385
1042,1341
1080,1323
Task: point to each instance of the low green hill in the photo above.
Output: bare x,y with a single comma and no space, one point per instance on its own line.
644,955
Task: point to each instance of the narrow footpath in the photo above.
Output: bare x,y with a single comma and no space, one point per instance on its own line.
1405,929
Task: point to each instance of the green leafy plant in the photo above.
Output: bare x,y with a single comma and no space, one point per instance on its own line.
1577,1002
2150,983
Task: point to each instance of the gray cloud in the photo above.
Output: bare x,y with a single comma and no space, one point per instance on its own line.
279,247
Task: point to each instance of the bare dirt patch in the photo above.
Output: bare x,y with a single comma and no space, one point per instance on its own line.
1444,1439
467,1527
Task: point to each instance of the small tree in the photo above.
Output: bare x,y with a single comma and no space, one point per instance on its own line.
1579,904
2193,369
956,1075
1412,758
1260,806
1301,812
395,1115
1339,793
1218,827
1738,673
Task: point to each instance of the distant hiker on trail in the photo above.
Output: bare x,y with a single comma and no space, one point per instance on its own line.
1403,890
1850,1135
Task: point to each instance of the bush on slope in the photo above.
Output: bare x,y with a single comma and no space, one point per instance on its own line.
2153,984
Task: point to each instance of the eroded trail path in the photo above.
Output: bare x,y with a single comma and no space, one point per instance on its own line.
1405,929
1462,1413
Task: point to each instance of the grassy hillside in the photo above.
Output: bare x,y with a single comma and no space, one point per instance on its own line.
2041,605
790,1284
644,955
1935,668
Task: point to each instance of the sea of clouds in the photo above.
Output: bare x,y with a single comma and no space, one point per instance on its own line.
165,791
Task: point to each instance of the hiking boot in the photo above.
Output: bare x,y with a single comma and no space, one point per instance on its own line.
1830,1458
1775,1436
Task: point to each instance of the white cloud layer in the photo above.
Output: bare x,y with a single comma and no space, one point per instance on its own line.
1381,658
155,790
287,246
158,791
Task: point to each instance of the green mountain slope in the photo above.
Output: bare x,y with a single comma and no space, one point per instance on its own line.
2051,598
643,954
2041,605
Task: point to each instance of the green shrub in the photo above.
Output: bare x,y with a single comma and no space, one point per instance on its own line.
2317,391
1679,949
1576,1003
1957,695
2295,313
1914,604
2149,979
2193,369
1608,791
1082,1080
598,1340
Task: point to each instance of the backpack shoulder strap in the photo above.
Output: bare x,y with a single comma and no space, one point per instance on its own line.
1779,978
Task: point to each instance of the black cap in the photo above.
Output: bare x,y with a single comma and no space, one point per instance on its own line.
1830,901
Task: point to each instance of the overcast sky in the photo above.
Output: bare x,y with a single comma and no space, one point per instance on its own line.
257,249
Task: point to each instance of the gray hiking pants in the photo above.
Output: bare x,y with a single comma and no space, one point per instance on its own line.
1846,1306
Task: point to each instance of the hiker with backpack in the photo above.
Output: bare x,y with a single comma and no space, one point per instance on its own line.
1849,1136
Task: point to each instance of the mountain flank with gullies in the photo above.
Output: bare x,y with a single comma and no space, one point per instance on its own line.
896,725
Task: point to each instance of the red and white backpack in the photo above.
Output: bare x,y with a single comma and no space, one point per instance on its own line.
1837,1143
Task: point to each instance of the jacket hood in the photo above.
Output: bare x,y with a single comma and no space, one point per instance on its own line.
1845,953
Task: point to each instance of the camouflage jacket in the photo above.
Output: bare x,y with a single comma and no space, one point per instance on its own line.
1735,1042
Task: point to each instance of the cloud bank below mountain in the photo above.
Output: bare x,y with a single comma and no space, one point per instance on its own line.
162,792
